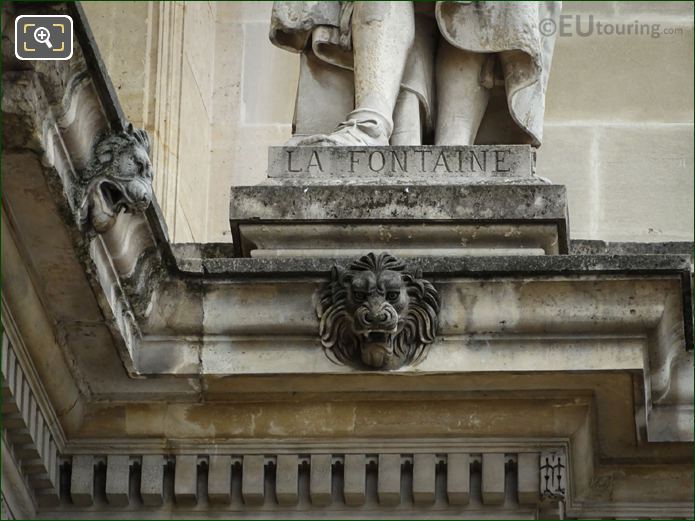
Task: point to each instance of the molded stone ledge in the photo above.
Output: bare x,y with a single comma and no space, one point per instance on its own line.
547,265
535,314
552,419
272,482
401,240
356,204
595,247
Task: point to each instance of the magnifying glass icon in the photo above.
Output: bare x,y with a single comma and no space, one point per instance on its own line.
43,35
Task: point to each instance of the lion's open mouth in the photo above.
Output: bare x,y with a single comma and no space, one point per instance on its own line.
377,338
377,348
105,203
112,196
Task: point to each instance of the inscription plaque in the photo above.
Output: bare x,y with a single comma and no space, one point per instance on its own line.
496,161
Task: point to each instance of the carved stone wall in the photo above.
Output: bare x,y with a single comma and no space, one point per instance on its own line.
608,137
145,379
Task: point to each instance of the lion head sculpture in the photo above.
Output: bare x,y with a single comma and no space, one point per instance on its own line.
377,315
118,177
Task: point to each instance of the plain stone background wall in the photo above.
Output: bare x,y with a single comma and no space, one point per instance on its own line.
205,81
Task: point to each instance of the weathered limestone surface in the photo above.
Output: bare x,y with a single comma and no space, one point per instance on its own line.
354,476
152,480
424,479
528,478
220,479
493,479
287,488
389,484
321,482
82,481
458,479
253,480
186,479
120,348
117,480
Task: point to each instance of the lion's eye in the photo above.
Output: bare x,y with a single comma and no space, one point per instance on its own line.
359,295
393,295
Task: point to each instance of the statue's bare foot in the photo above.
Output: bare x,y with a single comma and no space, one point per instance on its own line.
362,128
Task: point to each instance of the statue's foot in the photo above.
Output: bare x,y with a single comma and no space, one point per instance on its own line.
544,179
362,128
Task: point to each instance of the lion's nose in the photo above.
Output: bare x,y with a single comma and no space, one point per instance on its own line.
376,318
140,192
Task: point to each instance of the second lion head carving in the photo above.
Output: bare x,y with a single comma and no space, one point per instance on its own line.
118,177
375,314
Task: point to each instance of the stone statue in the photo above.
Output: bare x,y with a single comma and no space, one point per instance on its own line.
428,71
377,315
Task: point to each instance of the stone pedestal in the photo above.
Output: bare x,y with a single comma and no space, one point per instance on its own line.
445,201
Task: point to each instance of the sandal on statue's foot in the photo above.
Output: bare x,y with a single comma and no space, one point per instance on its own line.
364,127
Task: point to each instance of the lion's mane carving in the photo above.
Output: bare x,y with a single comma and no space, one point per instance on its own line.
118,177
377,315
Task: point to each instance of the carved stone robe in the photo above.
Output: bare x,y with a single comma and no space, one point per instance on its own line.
510,32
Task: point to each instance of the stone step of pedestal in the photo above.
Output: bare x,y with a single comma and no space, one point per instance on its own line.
374,217
321,240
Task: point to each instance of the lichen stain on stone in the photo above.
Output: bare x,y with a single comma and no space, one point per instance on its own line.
325,419
212,420
145,420
109,418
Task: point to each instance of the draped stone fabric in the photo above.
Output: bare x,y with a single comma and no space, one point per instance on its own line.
511,29
508,31
295,26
